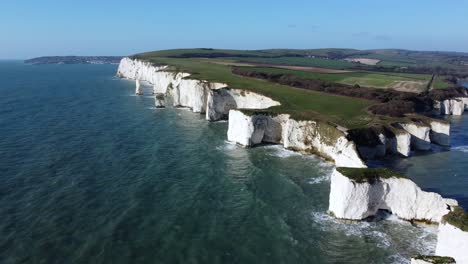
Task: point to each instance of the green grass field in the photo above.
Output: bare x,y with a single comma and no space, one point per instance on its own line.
301,61
216,66
365,79
349,112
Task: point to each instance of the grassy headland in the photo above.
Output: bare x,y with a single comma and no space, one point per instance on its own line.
309,104
303,104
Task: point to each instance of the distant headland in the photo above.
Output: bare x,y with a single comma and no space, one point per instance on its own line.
75,60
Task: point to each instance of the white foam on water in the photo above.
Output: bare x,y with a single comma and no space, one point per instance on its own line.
325,178
155,108
227,146
461,148
280,151
324,167
384,232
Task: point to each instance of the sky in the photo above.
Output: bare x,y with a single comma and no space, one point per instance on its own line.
31,28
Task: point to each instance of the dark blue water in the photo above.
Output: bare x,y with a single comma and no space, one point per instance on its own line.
90,173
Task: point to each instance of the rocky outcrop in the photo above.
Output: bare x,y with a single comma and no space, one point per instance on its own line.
359,193
138,88
420,134
465,101
322,139
400,143
452,239
220,101
452,106
159,100
377,142
440,132
432,260
248,129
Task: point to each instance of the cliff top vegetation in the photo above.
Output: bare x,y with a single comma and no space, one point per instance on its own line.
329,91
362,175
457,218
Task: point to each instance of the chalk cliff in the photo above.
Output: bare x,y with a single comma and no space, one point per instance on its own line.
440,132
420,135
379,141
452,239
212,98
249,129
138,88
159,101
218,102
356,194
453,106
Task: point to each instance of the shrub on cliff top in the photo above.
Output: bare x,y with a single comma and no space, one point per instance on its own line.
458,218
436,259
362,175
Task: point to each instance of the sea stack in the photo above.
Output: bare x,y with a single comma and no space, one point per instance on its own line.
159,100
138,88
358,193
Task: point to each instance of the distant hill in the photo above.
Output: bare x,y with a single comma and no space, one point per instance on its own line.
381,60
75,60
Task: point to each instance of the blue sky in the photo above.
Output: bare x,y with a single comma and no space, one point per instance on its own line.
31,28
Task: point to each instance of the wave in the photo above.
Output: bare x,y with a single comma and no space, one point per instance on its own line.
155,108
280,151
461,148
385,231
227,146
321,179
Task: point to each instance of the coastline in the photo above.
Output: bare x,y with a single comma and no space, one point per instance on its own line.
249,128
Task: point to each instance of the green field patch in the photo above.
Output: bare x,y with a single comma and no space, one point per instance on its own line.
365,79
301,61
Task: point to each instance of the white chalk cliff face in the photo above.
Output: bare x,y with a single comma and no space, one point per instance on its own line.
212,98
465,101
420,135
400,144
454,106
138,88
306,136
220,101
357,201
440,133
453,242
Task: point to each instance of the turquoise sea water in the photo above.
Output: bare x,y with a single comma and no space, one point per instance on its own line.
90,173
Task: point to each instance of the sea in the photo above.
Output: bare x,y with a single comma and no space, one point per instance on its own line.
91,173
